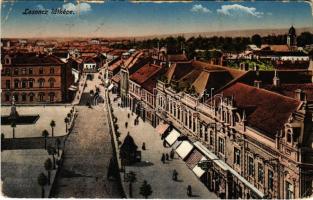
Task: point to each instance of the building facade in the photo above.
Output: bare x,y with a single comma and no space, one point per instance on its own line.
32,78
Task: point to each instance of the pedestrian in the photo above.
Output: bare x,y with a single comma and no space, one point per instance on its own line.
164,143
175,174
126,124
128,115
143,146
189,192
167,157
163,158
172,153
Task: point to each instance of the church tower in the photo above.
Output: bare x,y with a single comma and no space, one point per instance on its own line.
292,39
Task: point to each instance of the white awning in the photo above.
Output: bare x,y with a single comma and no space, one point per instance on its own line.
184,149
226,167
110,87
73,88
197,170
172,137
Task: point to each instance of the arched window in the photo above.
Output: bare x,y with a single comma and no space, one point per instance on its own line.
41,96
24,97
31,83
24,83
51,96
51,82
31,97
41,82
16,83
16,96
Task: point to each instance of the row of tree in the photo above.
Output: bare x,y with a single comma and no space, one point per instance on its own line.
226,44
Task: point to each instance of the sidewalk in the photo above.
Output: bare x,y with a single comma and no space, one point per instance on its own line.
157,174
81,86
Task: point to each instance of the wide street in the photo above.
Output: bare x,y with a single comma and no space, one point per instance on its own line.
88,150
157,174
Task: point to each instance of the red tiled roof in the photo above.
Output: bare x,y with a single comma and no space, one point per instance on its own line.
289,89
177,58
35,60
266,111
144,73
193,159
116,78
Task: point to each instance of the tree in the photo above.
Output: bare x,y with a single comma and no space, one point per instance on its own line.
45,134
13,125
66,120
58,144
145,189
131,178
52,124
48,167
257,40
42,181
52,151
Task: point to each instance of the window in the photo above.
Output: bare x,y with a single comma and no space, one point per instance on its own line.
51,96
31,83
31,97
16,83
211,138
7,71
194,124
51,70
270,179
23,97
260,173
24,71
51,82
15,71
289,137
16,97
236,156
250,166
7,97
7,84
41,95
205,136
289,190
24,83
41,82
41,70
221,145
178,113
30,71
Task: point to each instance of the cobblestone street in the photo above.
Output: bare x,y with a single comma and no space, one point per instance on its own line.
88,150
157,174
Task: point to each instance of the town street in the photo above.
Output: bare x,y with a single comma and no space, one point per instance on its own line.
88,150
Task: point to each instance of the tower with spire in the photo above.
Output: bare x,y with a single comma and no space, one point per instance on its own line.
292,39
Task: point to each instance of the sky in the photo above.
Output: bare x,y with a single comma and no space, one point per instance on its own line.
120,18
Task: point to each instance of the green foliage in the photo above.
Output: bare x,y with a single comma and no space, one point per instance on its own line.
42,179
145,189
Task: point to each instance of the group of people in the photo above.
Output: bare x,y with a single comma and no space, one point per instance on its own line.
166,156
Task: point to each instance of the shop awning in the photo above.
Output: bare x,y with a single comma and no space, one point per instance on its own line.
73,88
184,149
110,87
194,158
176,144
226,167
172,137
161,128
197,170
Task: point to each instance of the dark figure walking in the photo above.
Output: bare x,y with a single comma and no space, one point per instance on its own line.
189,191
126,124
164,143
128,115
143,146
172,153
175,174
163,158
167,156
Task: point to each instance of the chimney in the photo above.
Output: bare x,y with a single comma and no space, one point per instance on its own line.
300,95
276,80
257,83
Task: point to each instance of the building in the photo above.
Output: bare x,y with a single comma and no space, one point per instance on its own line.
35,78
256,143
292,39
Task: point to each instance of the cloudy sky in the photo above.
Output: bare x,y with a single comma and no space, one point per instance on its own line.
114,19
